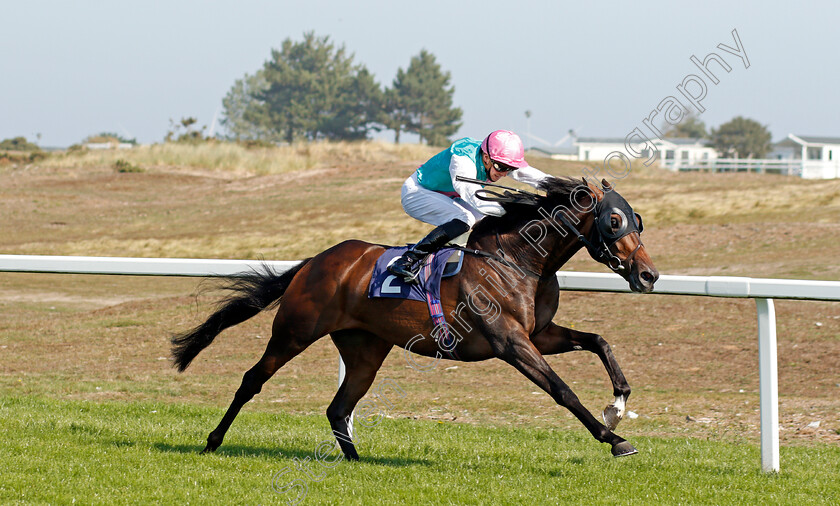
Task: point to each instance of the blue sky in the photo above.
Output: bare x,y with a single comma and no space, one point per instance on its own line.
71,69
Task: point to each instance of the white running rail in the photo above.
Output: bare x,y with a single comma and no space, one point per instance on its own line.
762,290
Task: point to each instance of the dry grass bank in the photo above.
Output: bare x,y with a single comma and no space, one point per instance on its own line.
237,160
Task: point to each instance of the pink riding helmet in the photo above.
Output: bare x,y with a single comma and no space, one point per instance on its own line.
505,147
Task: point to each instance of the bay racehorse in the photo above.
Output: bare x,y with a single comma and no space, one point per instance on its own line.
500,305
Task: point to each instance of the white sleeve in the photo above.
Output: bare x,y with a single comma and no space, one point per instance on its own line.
465,166
529,175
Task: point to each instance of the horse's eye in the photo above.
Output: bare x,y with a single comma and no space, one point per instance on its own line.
615,222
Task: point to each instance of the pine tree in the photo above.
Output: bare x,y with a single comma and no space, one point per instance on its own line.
396,115
240,116
307,90
420,101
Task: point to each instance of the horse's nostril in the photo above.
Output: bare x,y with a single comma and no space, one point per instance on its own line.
647,277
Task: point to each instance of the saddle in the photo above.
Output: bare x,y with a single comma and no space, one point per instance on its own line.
444,263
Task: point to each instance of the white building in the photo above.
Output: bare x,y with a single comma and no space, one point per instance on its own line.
555,153
673,152
819,157
108,145
806,156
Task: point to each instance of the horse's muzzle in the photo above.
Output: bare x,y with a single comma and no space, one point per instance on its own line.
643,279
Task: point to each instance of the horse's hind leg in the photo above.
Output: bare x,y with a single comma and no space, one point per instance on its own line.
281,348
556,339
363,354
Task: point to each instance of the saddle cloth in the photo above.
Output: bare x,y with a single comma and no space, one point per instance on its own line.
434,268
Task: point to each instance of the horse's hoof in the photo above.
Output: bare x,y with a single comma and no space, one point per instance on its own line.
611,417
210,448
350,454
623,449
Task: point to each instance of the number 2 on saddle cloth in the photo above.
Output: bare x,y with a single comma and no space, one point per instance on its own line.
434,268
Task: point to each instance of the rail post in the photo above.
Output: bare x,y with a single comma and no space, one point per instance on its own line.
768,385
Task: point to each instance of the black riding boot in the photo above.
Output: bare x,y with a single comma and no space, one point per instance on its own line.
407,266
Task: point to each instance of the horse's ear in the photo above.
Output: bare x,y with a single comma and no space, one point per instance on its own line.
597,191
606,184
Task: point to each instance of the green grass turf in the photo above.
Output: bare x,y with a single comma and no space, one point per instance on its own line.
58,452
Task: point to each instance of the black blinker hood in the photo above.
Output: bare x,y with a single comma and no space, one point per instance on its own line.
613,203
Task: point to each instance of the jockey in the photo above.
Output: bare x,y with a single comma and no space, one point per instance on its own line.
432,195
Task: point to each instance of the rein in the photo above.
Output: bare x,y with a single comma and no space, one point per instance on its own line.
501,259
509,196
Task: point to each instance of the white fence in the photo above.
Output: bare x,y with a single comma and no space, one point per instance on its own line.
784,167
807,169
762,290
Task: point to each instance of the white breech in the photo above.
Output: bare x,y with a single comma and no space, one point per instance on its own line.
435,208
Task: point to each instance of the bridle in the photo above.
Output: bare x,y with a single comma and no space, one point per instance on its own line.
605,237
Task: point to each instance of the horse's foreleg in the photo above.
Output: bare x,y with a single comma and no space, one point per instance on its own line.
525,357
556,339
363,354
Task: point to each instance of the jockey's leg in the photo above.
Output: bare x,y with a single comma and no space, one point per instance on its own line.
407,265
452,216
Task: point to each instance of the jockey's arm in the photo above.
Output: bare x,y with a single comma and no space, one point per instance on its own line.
529,175
465,166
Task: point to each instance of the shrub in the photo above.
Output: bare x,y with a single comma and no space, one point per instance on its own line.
124,166
18,144
256,144
109,137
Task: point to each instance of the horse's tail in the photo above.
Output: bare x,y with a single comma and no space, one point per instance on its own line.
251,294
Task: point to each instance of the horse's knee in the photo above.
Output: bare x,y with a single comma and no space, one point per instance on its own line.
596,343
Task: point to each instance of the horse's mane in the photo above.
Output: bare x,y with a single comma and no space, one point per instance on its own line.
558,192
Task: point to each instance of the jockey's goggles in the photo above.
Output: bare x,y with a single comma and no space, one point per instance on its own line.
502,167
